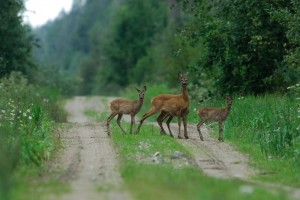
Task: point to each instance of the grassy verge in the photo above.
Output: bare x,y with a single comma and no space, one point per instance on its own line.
150,170
26,134
266,128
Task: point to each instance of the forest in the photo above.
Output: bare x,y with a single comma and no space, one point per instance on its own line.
249,49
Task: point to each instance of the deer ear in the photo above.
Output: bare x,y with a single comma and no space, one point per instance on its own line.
179,75
145,88
137,90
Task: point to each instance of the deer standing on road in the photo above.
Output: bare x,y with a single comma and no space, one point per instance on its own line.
216,115
170,105
128,107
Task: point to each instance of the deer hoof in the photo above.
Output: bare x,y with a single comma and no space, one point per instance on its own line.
172,136
179,137
221,139
186,137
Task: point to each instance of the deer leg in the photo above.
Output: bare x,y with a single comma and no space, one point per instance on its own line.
221,139
145,116
160,119
185,127
198,128
108,121
168,124
179,124
118,122
110,118
132,122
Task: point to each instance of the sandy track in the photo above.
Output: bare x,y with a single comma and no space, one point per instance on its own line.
88,160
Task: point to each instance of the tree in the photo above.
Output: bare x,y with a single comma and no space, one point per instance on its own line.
245,46
15,41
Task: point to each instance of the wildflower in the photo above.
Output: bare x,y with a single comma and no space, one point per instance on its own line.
3,111
28,110
29,117
24,114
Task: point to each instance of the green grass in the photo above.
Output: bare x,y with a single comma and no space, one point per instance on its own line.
26,132
266,128
168,180
31,184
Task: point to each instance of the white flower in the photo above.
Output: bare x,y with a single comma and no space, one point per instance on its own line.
29,117
3,111
28,110
24,114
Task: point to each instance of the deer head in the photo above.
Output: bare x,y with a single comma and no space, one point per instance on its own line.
141,92
183,78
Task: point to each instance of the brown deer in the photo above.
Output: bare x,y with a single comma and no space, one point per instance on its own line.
128,107
216,115
170,105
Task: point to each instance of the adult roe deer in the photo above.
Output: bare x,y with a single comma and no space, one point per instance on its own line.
128,107
215,114
170,105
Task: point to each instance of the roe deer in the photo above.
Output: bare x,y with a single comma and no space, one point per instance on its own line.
170,105
125,106
216,115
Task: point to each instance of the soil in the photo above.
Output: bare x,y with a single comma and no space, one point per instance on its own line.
90,163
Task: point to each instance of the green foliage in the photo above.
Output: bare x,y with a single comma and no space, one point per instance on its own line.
25,127
132,31
244,46
15,42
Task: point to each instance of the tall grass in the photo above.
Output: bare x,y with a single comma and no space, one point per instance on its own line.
270,121
267,128
26,126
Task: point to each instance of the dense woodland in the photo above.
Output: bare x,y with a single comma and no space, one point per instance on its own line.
102,46
228,46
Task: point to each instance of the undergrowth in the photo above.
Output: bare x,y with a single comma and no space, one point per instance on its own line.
26,125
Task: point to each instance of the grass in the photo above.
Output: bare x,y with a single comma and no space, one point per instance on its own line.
266,128
26,133
165,178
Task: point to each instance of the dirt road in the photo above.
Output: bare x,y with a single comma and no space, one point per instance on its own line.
89,162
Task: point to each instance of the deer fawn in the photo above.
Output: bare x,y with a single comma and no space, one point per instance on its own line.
124,106
214,114
170,105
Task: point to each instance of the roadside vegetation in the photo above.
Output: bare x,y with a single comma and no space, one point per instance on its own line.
267,128
27,138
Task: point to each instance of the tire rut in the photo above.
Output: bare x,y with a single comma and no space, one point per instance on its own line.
88,161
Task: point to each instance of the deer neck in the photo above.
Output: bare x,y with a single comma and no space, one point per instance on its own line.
228,107
139,104
184,93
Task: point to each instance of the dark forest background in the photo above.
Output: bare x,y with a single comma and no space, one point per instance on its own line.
103,46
